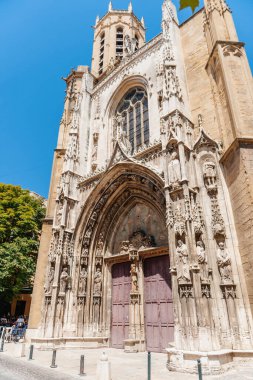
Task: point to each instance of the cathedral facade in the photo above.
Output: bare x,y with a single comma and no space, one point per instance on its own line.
147,240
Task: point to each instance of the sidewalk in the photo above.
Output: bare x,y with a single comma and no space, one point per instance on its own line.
124,366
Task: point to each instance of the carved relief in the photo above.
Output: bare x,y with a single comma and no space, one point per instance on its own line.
231,49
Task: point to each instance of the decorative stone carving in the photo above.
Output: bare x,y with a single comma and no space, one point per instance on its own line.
98,282
179,222
134,278
140,240
171,83
230,49
217,222
174,171
49,281
82,281
224,264
130,44
210,176
182,261
64,279
219,5
185,291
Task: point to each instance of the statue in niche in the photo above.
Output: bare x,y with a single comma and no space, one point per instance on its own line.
174,170
100,245
224,264
59,213
49,282
82,281
64,278
98,282
134,278
182,260
209,170
202,260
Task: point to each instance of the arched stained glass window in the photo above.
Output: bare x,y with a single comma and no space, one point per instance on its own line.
133,110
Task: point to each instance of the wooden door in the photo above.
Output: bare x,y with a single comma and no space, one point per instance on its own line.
121,287
158,305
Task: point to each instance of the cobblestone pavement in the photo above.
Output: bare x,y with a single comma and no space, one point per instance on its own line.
124,366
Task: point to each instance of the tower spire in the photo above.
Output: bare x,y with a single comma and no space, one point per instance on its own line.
110,7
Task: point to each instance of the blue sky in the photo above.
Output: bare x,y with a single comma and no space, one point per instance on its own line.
41,40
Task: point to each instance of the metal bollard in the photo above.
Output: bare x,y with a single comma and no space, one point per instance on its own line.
53,365
31,352
149,365
82,366
200,369
2,340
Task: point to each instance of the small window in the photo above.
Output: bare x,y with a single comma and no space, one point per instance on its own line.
119,42
101,54
137,42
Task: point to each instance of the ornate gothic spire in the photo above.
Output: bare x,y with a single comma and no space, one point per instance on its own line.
130,7
220,5
110,7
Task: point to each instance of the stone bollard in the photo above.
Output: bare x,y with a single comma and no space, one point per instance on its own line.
104,368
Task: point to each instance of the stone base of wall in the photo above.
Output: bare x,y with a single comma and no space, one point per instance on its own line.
213,363
69,343
134,345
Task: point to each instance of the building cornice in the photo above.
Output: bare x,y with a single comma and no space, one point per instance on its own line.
222,42
234,145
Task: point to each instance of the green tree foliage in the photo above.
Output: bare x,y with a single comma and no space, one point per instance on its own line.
21,218
189,3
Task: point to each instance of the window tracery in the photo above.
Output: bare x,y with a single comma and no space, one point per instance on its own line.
132,112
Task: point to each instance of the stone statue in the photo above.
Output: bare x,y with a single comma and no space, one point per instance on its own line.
49,282
209,170
134,278
174,170
182,260
224,264
82,281
202,260
59,213
98,282
64,278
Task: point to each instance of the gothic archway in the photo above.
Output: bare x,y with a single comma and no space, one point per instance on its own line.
130,192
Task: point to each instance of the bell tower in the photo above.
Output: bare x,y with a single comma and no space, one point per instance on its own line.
117,34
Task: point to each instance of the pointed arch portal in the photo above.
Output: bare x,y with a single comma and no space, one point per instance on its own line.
125,238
